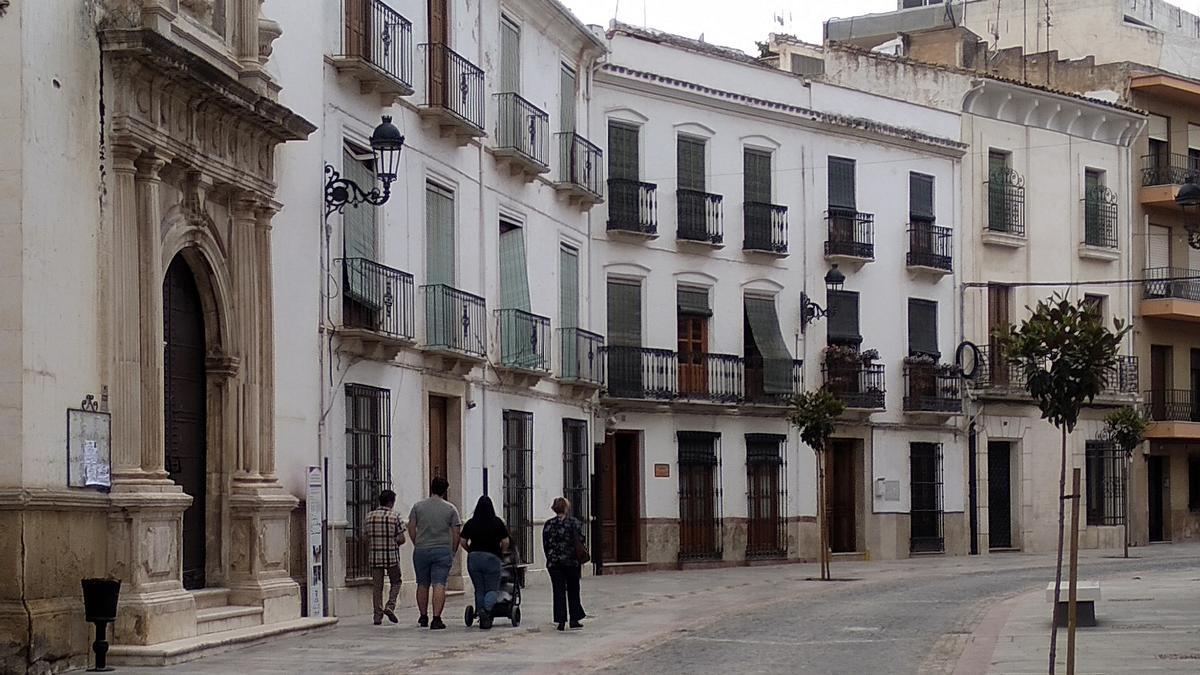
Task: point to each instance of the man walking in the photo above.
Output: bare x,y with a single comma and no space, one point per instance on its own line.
433,525
385,534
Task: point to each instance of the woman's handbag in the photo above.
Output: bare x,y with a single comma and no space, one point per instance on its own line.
581,550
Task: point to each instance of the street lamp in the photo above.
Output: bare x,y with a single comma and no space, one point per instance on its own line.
1188,199
811,311
386,144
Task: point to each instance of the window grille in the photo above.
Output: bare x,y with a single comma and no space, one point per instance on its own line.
766,479
518,480
1105,492
1005,195
575,467
699,496
368,467
926,517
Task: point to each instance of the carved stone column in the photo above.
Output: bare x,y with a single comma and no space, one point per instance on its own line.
125,356
247,303
150,295
266,333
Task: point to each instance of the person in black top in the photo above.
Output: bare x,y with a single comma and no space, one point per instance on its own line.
559,537
485,537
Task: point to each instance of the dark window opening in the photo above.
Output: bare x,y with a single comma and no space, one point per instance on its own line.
368,467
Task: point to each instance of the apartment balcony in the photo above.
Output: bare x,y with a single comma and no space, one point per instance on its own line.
1174,414
581,361
1162,176
377,310
860,388
632,208
375,48
522,136
454,94
524,346
700,217
455,328
1100,225
932,389
996,377
765,228
930,249
757,379
1171,293
1005,190
580,170
851,236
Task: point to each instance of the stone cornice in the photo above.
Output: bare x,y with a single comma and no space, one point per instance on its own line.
1033,107
51,499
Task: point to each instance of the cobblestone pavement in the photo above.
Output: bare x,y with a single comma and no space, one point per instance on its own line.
906,616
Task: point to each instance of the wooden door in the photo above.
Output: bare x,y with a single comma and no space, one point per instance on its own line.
843,533
438,454
1160,380
762,535
185,419
999,458
693,350
1156,491
357,18
606,511
999,319
629,497
697,517
439,41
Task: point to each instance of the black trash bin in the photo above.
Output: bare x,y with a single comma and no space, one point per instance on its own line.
100,607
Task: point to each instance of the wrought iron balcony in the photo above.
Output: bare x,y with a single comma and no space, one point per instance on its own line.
859,387
662,374
376,47
580,167
929,246
1169,169
454,91
522,133
755,391
1172,405
932,387
377,308
1171,282
582,357
524,340
455,321
632,206
766,228
851,234
1002,377
1100,217
1006,202
700,216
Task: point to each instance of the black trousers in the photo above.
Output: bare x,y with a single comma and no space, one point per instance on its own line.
565,584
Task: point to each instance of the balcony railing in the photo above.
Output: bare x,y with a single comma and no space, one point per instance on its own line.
523,128
858,387
1171,282
930,246
700,216
710,377
1174,169
377,298
455,320
1006,202
766,227
454,84
755,392
582,356
998,374
524,340
851,234
932,388
665,375
632,206
1172,405
378,35
1100,217
642,372
580,163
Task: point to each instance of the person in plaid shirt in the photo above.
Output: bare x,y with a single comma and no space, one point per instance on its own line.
385,534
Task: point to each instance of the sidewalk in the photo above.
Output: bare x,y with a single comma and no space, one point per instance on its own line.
1147,624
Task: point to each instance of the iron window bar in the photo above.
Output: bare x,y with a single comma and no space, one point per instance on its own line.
700,531
930,246
632,206
850,233
767,494
454,84
700,216
926,511
766,227
582,357
576,467
1105,489
1006,202
377,298
379,36
455,320
523,128
524,340
581,163
518,480
1100,217
368,468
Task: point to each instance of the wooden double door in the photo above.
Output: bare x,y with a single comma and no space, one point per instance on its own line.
842,478
693,354
619,479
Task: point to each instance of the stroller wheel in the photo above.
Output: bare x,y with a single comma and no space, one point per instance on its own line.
470,616
515,616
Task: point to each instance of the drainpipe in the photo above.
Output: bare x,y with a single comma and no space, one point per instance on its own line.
483,272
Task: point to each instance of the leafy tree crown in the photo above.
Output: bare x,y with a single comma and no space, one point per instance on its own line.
1126,427
814,413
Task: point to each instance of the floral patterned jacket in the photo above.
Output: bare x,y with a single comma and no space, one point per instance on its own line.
558,540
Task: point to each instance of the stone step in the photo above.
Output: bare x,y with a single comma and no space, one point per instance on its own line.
189,649
231,617
211,597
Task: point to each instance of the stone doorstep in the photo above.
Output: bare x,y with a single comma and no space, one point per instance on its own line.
207,598
229,617
190,649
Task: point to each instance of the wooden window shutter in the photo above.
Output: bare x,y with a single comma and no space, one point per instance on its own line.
843,323
439,238
624,313
568,284
841,184
690,163
756,174
622,151
922,327
920,196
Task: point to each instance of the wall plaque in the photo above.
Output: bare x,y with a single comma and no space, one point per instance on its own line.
89,452
662,470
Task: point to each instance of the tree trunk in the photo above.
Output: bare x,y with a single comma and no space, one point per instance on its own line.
1062,491
822,516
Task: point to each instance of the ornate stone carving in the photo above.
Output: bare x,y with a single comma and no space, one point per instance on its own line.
201,9
268,31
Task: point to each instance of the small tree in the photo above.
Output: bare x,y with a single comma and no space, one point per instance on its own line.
814,414
1125,427
1066,356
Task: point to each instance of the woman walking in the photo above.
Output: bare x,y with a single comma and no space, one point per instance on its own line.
486,538
562,539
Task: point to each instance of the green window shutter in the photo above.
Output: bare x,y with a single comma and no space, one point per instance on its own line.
510,56
624,313
922,327
689,156
841,184
439,239
843,322
768,337
920,196
358,222
756,174
623,151
693,301
514,280
566,99
568,286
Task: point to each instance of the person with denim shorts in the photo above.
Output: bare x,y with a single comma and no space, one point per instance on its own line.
433,527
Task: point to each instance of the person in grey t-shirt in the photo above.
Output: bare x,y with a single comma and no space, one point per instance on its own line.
433,527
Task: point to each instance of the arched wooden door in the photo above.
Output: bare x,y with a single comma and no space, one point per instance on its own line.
186,408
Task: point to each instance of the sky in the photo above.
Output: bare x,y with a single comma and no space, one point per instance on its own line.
738,23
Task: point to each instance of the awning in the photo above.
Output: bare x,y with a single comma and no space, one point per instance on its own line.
777,360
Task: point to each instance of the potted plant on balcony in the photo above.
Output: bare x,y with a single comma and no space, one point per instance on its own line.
922,374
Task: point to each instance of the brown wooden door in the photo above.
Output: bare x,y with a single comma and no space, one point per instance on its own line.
619,507
839,474
763,528
357,26
185,419
438,456
606,467
439,41
1160,377
693,348
1157,491
697,518
999,319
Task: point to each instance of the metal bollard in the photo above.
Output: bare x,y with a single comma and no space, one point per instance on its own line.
100,607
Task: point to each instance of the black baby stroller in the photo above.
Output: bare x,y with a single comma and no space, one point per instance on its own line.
508,601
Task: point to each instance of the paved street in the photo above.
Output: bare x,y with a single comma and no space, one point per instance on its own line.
885,617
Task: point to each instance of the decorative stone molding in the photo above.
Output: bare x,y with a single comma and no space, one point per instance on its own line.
201,9
268,31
